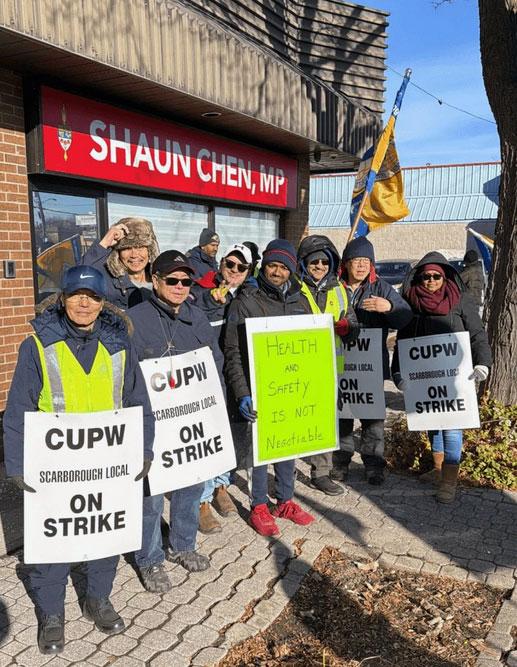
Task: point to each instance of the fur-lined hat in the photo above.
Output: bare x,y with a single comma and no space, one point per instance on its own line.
141,235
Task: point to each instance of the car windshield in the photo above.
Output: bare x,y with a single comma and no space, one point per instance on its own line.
392,268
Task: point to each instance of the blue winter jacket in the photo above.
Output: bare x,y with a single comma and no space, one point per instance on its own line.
53,326
399,316
201,262
159,331
121,292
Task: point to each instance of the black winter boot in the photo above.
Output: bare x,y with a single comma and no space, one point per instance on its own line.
51,634
101,612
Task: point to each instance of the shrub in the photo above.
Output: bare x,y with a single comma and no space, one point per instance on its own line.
489,453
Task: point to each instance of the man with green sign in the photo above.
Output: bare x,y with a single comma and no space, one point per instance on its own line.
277,294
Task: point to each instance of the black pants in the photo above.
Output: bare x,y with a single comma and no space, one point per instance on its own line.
372,442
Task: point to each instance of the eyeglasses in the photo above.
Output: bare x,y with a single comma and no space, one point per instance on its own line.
77,298
431,276
360,260
185,282
241,268
315,262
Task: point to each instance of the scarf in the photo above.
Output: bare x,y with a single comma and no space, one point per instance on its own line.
440,302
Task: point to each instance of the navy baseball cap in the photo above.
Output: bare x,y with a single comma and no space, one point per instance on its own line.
83,277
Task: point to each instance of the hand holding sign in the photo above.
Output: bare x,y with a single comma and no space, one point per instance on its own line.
143,473
20,483
246,409
479,374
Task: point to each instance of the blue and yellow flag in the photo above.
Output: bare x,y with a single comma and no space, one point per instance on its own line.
485,246
378,186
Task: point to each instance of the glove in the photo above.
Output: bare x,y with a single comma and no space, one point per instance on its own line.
246,409
341,327
18,480
479,374
143,473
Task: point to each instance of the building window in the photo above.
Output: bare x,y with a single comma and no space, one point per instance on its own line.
64,228
235,225
176,224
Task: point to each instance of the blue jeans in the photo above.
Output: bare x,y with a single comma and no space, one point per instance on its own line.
48,583
284,482
183,524
212,484
448,442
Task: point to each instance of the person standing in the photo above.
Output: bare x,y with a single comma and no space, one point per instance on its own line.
76,338
124,256
278,293
202,257
441,305
166,325
213,294
377,305
318,263
473,277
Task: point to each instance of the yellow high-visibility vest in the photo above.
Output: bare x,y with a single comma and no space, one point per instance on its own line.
336,303
66,386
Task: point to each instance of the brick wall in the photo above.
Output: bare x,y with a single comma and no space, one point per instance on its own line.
16,295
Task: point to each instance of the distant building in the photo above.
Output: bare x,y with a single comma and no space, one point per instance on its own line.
444,201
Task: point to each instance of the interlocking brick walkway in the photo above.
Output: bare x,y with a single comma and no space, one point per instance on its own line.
252,578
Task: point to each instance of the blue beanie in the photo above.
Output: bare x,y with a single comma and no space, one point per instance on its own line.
280,250
359,247
84,277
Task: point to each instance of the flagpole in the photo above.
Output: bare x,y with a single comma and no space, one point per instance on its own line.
394,113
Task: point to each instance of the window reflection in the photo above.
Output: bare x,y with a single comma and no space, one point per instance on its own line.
64,227
236,225
176,224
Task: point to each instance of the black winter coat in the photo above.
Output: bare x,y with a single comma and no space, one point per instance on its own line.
399,315
463,317
262,301
160,331
474,279
201,262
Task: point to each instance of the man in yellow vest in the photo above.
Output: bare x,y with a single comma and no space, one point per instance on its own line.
79,359
318,262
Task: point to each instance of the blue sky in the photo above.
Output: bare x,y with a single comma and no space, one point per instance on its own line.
441,46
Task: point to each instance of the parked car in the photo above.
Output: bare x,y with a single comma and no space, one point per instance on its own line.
393,270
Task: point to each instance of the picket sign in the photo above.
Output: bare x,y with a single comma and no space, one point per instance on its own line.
293,383
82,466
193,441
361,386
439,393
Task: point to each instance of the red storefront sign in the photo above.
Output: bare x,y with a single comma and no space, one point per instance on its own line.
101,142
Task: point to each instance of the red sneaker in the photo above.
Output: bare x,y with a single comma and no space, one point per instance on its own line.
262,521
290,510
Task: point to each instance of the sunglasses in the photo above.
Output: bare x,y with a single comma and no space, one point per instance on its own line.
315,262
431,276
185,282
241,268
77,298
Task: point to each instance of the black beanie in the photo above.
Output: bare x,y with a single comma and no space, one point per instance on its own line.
359,247
207,236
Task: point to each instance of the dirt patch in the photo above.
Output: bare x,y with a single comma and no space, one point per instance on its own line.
357,614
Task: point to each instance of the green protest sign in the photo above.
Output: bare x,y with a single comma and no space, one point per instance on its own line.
293,373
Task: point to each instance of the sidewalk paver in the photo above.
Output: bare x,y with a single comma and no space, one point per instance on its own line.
252,578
